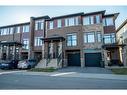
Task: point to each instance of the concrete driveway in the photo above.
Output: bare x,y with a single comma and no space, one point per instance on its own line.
96,70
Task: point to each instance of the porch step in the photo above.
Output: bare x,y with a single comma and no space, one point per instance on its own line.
42,63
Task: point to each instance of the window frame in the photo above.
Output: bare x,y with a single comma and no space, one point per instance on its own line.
105,21
51,23
59,23
37,41
72,40
86,37
111,37
26,45
26,28
39,25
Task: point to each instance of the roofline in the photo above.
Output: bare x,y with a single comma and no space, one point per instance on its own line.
12,25
96,12
18,24
69,15
41,17
121,25
114,14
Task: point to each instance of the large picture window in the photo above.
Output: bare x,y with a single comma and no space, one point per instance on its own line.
71,39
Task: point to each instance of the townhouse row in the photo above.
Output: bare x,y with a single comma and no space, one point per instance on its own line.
80,39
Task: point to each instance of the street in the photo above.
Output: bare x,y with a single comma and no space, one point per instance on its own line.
41,81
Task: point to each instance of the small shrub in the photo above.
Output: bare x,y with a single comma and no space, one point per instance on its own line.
51,69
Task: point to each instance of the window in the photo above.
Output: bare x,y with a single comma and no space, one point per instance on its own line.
71,39
109,38
59,24
108,21
26,43
11,30
26,28
97,19
1,31
17,29
39,24
88,20
51,25
71,21
89,37
98,36
38,41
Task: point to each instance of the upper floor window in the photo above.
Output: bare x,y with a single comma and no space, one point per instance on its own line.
51,25
109,38
108,21
98,36
4,31
17,29
71,21
71,39
11,30
26,28
97,19
88,20
26,43
38,41
89,37
59,23
39,24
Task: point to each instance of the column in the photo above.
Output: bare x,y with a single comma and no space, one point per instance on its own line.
82,58
8,52
14,52
51,49
1,52
105,58
31,39
43,49
19,52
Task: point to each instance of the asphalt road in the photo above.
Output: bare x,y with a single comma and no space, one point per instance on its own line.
20,81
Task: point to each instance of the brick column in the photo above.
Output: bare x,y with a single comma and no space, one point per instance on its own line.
51,49
8,52
82,58
43,50
20,50
1,52
105,58
14,52
31,39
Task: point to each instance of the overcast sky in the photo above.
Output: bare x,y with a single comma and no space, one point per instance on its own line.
18,14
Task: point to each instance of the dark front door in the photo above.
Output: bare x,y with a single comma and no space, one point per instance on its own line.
92,59
74,59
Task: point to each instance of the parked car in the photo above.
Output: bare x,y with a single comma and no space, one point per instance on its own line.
27,64
9,64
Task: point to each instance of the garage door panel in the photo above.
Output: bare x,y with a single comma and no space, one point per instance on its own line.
74,59
92,59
